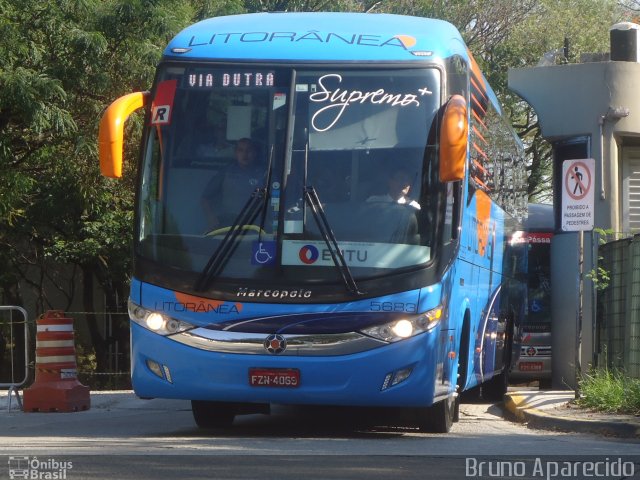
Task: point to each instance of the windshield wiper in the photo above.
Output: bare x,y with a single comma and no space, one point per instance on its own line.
311,197
258,201
219,258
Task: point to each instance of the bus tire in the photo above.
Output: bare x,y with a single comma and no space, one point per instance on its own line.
438,418
212,414
456,410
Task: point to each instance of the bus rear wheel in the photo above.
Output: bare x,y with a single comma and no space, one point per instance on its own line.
213,414
439,417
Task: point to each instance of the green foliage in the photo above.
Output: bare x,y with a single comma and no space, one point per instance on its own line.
505,34
85,360
599,275
61,63
544,27
610,391
216,8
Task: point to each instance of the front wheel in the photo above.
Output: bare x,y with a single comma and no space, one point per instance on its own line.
212,414
439,417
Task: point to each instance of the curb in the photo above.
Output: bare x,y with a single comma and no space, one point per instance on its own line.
518,408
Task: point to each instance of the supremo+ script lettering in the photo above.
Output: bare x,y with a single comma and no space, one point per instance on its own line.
339,99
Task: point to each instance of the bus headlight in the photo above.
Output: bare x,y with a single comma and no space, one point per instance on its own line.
155,321
405,327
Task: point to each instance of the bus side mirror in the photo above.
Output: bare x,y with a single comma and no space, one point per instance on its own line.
111,133
454,134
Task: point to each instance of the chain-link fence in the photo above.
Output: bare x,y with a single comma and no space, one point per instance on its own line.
618,309
102,352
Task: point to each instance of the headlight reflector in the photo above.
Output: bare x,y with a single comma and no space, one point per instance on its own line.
155,321
405,327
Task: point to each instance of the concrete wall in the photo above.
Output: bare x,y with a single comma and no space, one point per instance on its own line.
601,101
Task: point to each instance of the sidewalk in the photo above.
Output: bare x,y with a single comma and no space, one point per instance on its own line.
554,410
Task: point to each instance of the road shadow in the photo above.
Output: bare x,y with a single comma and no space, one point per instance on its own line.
327,421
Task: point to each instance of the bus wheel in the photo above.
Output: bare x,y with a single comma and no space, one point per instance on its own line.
456,409
438,418
212,414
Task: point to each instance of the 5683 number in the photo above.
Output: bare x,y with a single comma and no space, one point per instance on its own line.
394,307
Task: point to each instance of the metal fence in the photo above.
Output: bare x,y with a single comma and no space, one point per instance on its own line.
618,311
14,351
17,347
112,372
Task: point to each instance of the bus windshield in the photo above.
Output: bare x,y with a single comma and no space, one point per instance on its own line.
539,318
241,148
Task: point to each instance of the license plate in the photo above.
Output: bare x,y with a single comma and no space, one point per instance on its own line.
530,366
274,377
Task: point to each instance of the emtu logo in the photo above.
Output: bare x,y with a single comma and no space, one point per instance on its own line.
407,40
308,254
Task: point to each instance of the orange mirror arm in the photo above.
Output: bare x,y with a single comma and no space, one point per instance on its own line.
111,133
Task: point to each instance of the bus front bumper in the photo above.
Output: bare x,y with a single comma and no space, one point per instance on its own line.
405,373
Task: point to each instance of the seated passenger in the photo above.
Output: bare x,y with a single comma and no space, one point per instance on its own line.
399,186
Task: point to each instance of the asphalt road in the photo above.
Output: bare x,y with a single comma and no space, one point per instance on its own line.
124,437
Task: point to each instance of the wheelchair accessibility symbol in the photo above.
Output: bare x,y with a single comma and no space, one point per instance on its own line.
535,306
264,253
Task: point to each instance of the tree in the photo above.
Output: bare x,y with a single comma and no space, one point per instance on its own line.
61,63
505,34
583,25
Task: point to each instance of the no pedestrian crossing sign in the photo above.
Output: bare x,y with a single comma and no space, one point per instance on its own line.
577,194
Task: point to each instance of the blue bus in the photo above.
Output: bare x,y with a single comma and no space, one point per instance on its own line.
328,212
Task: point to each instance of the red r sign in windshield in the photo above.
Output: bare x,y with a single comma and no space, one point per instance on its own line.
163,103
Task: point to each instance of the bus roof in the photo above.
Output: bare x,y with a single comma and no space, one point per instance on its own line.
540,218
318,37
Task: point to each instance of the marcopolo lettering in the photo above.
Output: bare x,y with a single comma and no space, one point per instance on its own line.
273,293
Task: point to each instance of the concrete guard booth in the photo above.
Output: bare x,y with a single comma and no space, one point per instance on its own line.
588,110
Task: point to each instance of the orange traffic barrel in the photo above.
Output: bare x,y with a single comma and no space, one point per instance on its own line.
56,387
